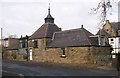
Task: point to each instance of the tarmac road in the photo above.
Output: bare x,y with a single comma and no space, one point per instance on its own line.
20,69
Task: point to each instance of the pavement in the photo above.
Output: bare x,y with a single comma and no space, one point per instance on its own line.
106,68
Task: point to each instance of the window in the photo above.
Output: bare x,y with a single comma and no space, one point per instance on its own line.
118,32
23,45
119,40
35,44
63,52
6,43
107,29
20,44
112,40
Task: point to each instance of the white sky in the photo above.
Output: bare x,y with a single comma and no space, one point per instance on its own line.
24,17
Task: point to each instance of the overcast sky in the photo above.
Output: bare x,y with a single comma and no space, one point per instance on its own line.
24,17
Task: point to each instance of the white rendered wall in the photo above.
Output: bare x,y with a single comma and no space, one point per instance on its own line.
115,44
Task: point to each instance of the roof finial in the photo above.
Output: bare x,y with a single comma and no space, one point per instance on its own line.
49,18
49,9
82,26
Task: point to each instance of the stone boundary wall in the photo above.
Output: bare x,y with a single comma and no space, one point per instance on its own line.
74,55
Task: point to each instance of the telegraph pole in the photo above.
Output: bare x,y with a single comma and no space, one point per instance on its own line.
2,41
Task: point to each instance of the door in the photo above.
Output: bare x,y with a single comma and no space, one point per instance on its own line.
30,54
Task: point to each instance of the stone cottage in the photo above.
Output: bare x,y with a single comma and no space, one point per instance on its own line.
78,46
43,36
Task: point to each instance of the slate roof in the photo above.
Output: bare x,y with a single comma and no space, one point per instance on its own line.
72,38
49,16
45,31
115,25
103,33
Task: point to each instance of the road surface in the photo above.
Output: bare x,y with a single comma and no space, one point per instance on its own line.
22,70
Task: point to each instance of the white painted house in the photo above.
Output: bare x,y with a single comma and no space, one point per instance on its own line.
115,43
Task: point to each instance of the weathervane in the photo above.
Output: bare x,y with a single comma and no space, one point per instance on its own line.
49,6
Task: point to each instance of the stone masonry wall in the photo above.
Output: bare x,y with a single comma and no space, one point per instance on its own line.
10,54
101,55
76,55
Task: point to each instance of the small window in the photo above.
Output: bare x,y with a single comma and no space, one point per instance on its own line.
107,29
6,43
20,45
112,40
23,45
36,44
119,32
63,52
119,40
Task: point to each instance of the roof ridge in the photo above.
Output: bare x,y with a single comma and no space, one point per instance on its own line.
46,30
115,22
87,36
67,30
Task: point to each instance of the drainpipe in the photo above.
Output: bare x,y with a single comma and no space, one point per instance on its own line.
27,48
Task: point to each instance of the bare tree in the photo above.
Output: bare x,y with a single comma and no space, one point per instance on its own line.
102,8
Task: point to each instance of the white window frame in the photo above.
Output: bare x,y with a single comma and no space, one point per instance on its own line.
6,43
63,53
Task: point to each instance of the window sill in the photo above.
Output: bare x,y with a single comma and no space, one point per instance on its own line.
63,56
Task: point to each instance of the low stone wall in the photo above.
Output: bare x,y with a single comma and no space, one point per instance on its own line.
10,54
76,55
101,55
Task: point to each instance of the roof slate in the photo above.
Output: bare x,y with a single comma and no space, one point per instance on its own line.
103,33
45,31
72,38
115,25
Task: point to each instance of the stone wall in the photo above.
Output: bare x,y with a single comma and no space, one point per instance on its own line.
76,55
101,55
22,54
14,55
10,54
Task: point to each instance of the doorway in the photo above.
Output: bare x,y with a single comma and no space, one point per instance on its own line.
31,54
